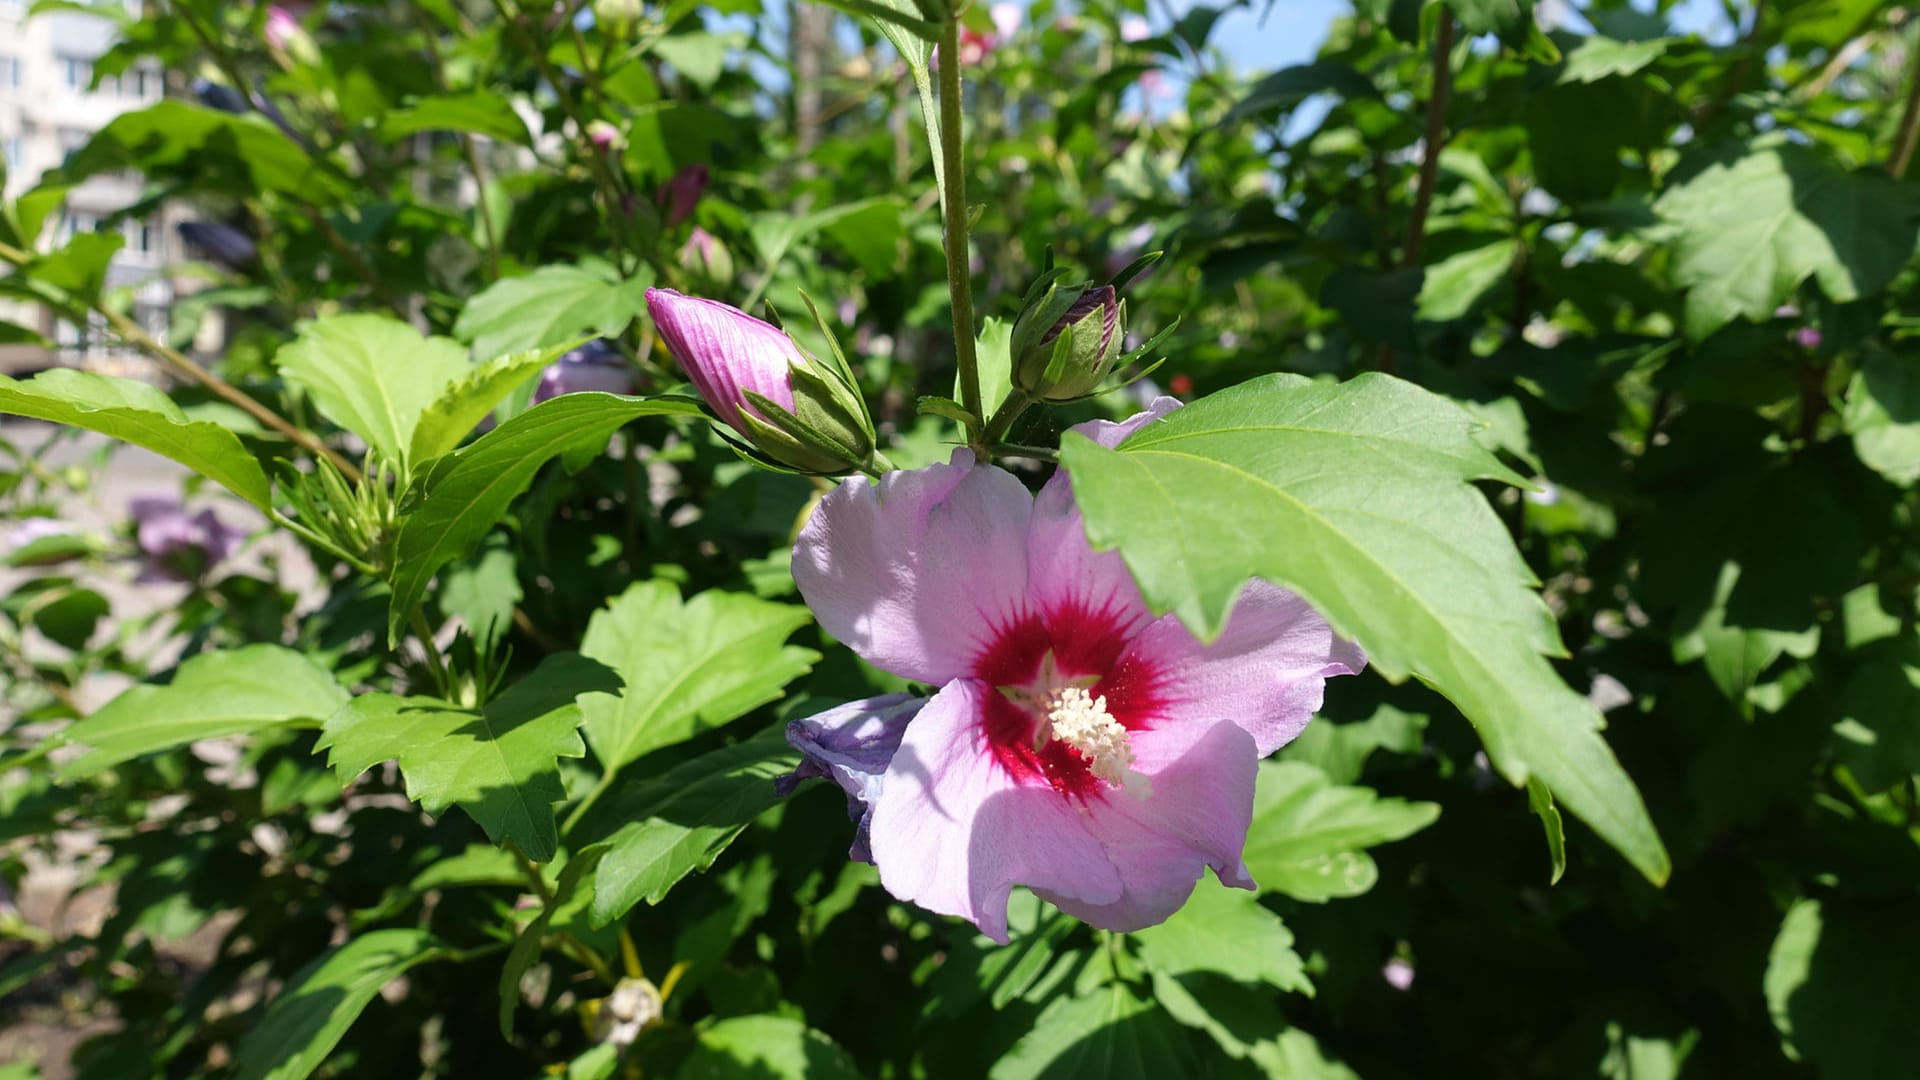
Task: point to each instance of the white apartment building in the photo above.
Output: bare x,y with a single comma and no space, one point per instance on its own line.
49,108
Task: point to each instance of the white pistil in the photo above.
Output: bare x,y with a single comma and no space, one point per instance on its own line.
1082,721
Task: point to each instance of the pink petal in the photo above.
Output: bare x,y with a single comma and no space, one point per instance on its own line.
1083,594
1109,433
917,572
725,352
1197,816
953,831
1266,673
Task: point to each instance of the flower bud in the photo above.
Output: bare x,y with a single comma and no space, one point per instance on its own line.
604,136
800,413
678,196
1066,343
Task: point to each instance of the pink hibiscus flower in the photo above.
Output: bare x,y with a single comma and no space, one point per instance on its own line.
1078,745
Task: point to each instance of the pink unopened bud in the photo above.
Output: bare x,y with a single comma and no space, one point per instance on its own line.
1807,337
807,416
603,136
681,194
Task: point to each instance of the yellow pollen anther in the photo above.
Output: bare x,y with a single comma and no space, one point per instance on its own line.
1082,721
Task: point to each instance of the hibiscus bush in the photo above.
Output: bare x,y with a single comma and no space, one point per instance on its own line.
922,540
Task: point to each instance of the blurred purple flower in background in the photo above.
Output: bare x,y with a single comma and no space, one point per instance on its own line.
597,365
1006,20
681,194
222,243
1807,337
177,546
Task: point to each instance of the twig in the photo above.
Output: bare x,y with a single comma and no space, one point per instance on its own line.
133,334
1435,138
1909,122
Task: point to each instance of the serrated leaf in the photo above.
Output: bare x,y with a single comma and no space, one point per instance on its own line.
1751,229
550,305
479,112
1597,57
1840,985
681,821
457,498
1540,801
687,666
211,695
500,762
1226,932
1309,835
1882,414
1357,495
463,403
1290,86
1454,284
139,414
372,375
1111,1033
306,1020
766,1047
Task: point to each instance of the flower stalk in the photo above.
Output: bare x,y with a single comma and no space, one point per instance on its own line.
953,198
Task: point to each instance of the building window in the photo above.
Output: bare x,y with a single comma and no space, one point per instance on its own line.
75,71
144,82
144,237
9,73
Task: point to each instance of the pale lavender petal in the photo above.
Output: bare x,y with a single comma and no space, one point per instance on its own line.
1197,816
852,745
954,832
1266,672
917,572
1066,574
1109,433
725,352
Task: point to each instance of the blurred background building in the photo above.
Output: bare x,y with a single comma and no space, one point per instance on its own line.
50,107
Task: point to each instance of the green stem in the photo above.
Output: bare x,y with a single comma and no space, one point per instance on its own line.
953,198
417,619
1009,411
599,788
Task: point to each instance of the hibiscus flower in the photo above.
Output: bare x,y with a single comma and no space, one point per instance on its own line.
1077,744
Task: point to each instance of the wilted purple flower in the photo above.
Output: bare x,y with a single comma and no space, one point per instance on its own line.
682,193
597,365
1078,745
223,243
215,96
177,546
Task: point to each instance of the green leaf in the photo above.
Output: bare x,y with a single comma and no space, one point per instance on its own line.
1290,86
1879,729
500,762
456,499
1357,496
483,590
139,414
1109,1033
373,375
476,866
1341,750
211,695
550,305
687,666
699,56
466,401
478,112
1540,801
1751,229
1226,932
994,351
71,617
307,1019
1308,835
240,154
1840,985
681,821
1454,284
1882,414
766,1047
1597,57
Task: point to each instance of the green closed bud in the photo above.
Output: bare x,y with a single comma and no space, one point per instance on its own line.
1065,344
